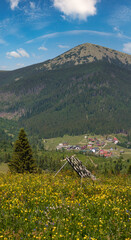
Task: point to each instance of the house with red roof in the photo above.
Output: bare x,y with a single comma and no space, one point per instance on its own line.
105,153
115,140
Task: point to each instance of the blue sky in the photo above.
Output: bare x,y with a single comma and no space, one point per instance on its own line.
33,31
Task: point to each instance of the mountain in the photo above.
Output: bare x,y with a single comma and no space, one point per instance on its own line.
86,89
87,53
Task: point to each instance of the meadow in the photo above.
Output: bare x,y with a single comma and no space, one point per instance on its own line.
47,207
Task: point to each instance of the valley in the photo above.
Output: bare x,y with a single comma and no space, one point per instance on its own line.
85,90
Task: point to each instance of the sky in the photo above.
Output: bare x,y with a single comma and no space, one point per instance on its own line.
33,31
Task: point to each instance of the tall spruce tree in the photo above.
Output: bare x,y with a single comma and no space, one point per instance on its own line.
22,159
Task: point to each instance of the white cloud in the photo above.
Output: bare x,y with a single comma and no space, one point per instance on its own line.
42,48
77,32
23,53
50,35
17,54
127,47
77,8
73,32
34,11
14,3
13,54
32,5
117,30
63,46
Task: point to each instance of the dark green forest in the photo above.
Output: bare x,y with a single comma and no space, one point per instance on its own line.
94,98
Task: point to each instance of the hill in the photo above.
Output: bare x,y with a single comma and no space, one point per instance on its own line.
87,89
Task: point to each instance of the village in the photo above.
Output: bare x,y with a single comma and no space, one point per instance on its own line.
102,147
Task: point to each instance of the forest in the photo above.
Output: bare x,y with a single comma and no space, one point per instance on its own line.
93,97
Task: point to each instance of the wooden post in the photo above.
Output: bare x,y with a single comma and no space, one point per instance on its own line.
60,168
81,182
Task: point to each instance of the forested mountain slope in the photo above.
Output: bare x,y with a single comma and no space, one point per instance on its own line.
69,94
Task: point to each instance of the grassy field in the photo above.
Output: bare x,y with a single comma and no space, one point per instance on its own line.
50,144
44,207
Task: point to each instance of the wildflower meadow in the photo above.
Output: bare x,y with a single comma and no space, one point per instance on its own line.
46,207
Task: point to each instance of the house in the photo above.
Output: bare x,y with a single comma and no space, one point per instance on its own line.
91,139
94,149
105,153
89,145
69,147
108,154
84,147
62,145
77,148
65,144
115,140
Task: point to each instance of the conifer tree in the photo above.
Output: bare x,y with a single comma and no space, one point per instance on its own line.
22,158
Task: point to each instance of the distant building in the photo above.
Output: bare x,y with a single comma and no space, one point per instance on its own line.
115,140
105,153
65,144
89,145
84,147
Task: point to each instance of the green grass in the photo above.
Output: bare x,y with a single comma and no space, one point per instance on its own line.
50,144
